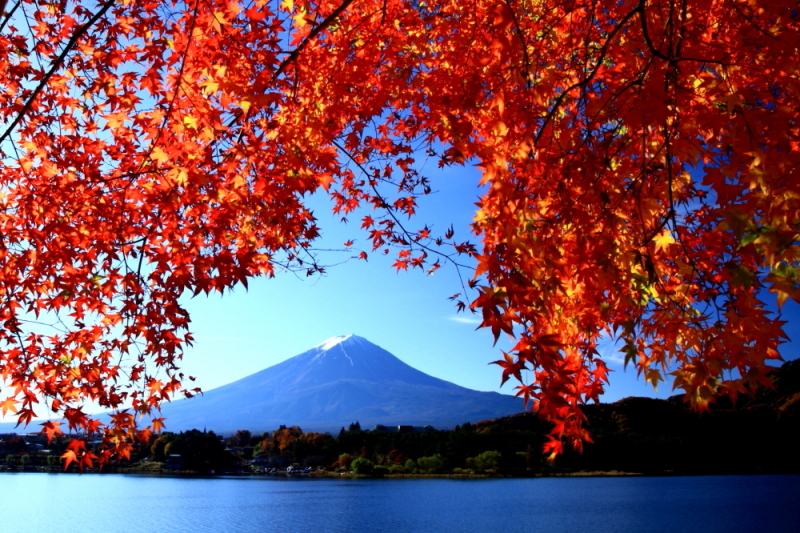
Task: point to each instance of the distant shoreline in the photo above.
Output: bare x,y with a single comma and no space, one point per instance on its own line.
350,475
156,472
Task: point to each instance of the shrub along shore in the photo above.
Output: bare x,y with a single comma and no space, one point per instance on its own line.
631,436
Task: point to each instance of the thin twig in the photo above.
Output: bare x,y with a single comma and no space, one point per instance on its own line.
587,79
80,32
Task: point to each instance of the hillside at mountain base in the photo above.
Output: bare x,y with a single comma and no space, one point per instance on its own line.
756,435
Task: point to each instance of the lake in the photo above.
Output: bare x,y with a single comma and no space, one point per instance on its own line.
128,503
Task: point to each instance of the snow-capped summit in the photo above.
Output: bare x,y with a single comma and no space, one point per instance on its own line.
347,357
341,342
339,381
333,341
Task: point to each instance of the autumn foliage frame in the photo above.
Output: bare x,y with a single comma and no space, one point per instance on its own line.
639,160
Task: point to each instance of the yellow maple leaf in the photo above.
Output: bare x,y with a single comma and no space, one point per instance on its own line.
115,120
663,240
159,155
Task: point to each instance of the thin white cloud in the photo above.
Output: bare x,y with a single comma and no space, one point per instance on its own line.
610,351
616,358
465,320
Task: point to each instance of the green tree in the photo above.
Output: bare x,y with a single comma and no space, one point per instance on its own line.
200,450
487,461
159,448
362,466
431,464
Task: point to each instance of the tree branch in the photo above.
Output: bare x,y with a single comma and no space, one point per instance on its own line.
588,78
55,66
522,42
311,36
646,33
9,14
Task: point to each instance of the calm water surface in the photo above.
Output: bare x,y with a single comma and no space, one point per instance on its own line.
132,504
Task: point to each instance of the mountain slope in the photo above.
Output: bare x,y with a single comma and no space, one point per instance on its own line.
342,380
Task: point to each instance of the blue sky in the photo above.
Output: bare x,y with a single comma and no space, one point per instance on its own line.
407,313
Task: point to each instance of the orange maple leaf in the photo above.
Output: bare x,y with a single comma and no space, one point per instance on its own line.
157,424
51,429
9,404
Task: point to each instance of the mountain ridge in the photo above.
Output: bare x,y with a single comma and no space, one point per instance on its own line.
341,380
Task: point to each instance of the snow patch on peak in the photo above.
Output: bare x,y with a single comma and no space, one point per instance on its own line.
333,341
348,357
326,346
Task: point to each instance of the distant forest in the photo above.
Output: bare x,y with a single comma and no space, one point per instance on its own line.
634,435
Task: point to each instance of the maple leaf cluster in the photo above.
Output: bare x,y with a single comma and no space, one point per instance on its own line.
640,162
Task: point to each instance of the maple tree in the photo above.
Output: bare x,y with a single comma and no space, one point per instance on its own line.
639,159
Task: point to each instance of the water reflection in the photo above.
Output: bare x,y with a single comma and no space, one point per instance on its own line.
132,504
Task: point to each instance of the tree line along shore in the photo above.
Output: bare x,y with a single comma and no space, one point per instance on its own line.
634,435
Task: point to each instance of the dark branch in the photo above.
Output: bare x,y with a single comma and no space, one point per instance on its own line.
311,36
588,79
80,32
646,33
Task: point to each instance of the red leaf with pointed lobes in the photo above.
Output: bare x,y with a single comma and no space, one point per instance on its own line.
157,424
255,14
92,426
511,367
122,450
24,416
76,450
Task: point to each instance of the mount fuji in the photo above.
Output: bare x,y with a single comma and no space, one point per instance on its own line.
342,380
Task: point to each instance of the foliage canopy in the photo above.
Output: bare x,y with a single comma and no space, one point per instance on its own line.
640,159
